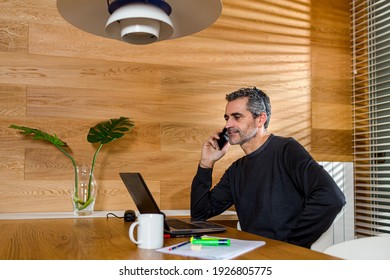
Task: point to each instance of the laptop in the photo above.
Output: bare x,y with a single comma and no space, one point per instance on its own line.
145,203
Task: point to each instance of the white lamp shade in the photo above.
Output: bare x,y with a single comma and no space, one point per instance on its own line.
187,17
140,24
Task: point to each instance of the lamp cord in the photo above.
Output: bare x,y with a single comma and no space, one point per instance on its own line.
108,214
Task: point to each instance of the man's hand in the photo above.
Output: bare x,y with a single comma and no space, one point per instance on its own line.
211,152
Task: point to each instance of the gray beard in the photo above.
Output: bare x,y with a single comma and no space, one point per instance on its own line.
246,137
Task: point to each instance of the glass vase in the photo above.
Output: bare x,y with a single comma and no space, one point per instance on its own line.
84,192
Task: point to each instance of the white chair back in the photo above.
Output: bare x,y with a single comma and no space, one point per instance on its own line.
367,248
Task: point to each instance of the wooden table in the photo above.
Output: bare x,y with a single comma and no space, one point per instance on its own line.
107,239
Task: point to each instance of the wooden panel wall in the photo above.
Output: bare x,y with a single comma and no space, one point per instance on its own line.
331,81
63,80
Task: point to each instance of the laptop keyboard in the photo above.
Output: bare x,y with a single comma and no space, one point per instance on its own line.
174,223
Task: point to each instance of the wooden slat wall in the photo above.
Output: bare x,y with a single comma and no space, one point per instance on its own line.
63,80
331,82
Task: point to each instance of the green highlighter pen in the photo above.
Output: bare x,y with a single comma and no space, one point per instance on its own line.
210,241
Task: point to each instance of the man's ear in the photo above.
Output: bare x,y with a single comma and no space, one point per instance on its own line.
262,118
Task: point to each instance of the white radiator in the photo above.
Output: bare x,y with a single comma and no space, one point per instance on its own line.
342,228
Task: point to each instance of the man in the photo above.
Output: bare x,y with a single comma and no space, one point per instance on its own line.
279,191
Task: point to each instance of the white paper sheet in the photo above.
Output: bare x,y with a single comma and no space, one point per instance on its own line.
237,247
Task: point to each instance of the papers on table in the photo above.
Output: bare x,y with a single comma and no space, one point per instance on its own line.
237,247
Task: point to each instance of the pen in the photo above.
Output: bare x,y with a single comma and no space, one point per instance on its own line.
210,241
178,245
168,235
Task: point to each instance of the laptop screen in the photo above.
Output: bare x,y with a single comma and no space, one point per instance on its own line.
145,203
140,193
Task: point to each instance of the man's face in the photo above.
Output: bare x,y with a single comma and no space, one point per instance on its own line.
241,125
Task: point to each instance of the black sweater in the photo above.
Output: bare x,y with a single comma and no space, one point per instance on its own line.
279,191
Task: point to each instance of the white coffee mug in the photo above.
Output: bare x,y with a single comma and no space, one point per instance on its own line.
150,231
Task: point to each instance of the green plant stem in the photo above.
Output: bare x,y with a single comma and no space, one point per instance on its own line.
76,176
92,170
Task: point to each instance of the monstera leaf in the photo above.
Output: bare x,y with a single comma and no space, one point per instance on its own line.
108,131
39,135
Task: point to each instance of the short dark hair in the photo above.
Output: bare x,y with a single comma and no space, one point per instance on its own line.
258,101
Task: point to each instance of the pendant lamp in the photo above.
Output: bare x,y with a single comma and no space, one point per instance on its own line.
140,22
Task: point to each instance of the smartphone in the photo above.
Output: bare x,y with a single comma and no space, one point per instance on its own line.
223,138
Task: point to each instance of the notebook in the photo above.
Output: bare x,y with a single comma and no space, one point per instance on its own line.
145,203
